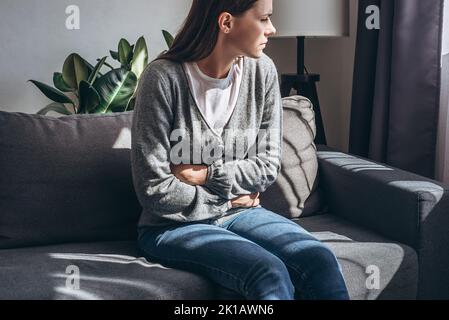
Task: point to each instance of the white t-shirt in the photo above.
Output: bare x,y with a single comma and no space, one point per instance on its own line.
215,98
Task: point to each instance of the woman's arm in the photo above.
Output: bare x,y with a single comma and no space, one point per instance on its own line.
194,174
158,190
258,172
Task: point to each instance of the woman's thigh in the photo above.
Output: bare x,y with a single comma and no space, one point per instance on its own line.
209,250
313,267
266,228
279,235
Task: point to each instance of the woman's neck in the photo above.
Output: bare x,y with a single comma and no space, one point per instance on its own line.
218,63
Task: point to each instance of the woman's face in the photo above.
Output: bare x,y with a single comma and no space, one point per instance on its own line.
251,30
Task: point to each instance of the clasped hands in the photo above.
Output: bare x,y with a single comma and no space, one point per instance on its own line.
197,175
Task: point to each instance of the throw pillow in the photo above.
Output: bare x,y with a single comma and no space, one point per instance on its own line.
295,192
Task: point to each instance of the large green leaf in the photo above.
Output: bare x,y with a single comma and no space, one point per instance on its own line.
115,89
95,72
125,52
74,70
52,93
140,57
56,107
89,98
59,83
168,38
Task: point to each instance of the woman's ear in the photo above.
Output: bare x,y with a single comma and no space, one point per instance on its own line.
225,22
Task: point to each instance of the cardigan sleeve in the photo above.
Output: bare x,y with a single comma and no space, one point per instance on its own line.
158,190
257,172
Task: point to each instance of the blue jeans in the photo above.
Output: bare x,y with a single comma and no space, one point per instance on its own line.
257,253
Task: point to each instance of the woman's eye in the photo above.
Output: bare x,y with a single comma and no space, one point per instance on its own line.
266,19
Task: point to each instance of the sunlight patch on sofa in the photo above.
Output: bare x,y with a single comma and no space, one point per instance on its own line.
423,187
67,293
351,163
387,257
114,258
147,286
123,140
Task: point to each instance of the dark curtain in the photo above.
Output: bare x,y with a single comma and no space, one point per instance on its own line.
396,90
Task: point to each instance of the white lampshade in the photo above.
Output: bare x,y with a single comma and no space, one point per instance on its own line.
311,18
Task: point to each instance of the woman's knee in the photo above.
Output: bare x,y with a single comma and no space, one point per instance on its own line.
314,255
269,277
317,273
269,263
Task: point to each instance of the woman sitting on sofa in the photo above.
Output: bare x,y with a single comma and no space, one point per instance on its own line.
195,104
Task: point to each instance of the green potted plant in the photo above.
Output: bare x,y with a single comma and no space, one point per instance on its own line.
83,88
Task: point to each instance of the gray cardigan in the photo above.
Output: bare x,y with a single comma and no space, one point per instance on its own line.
168,128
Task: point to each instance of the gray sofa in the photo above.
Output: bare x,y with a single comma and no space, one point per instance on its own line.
68,208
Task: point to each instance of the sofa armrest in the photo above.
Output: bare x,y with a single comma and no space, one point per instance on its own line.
400,205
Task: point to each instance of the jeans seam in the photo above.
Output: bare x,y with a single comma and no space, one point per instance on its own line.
302,275
245,289
239,281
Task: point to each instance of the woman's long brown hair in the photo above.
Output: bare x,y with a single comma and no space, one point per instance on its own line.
199,33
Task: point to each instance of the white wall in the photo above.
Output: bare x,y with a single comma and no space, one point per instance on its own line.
442,161
35,41
333,59
446,28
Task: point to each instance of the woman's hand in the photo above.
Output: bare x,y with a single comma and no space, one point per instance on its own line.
197,175
246,200
190,173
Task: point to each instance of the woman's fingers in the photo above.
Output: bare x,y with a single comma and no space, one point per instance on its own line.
254,195
246,200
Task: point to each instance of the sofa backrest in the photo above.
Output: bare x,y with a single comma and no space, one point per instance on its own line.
69,179
65,179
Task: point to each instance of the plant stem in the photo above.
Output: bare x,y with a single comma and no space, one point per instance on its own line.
107,64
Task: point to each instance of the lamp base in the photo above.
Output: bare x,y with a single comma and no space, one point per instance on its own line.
305,85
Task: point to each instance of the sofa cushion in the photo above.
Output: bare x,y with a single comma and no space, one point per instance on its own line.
295,192
65,179
363,255
117,269
107,270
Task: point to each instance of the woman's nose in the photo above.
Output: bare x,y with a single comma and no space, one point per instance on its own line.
272,30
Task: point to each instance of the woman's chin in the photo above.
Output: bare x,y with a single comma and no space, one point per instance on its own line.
257,53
